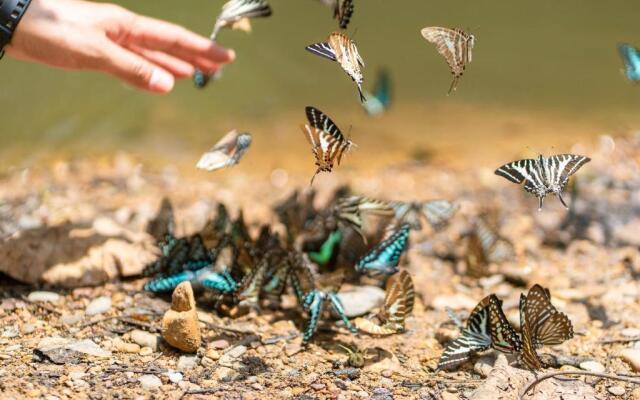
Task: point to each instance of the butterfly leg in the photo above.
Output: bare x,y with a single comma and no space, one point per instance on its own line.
540,201
454,85
559,194
313,304
339,309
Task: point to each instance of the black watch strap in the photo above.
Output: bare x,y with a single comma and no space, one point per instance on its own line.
11,11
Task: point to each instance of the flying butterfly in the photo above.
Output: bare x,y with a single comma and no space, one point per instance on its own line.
342,11
631,58
398,304
235,14
543,175
455,45
383,259
343,50
327,142
378,102
503,337
351,208
436,212
227,152
541,324
474,338
485,246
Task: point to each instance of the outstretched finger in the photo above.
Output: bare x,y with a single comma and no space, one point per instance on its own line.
177,67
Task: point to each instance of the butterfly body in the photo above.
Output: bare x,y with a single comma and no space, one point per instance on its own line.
544,175
344,51
383,259
327,142
631,58
227,152
455,45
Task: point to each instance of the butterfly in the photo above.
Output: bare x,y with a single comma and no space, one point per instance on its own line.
235,14
543,175
436,212
328,249
328,143
455,45
540,324
378,102
342,11
503,337
474,338
398,304
383,259
350,209
343,50
227,152
485,246
206,277
631,58
163,225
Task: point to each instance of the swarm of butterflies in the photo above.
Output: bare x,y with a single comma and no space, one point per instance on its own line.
322,249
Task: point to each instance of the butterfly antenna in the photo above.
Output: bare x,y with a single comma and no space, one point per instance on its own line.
452,88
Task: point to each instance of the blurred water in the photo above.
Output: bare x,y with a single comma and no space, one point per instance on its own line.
554,61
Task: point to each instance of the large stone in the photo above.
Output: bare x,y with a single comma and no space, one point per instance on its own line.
180,326
360,300
631,356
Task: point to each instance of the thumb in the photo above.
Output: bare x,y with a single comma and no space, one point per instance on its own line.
135,70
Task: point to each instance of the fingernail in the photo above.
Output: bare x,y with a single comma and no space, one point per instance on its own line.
161,81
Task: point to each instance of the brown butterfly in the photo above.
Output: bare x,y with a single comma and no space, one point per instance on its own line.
455,45
485,246
343,50
398,304
328,143
350,209
342,11
540,324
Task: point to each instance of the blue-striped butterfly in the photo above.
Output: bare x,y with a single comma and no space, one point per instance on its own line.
383,259
227,152
343,50
455,45
543,175
631,58
205,277
379,101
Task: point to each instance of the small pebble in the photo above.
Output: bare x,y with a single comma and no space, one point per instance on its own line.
150,382
632,356
187,362
125,347
212,354
48,297
174,376
145,351
220,344
292,348
237,351
387,373
362,394
28,328
145,339
592,366
616,390
361,299
98,306
630,333
318,386
70,319
11,332
257,386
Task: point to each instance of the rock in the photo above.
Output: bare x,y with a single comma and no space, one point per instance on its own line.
456,301
616,390
237,351
318,386
42,296
360,300
630,332
124,347
220,344
484,365
145,351
187,362
212,354
180,326
387,373
592,366
145,339
292,348
381,394
225,374
98,306
62,350
11,332
150,382
71,319
174,376
631,356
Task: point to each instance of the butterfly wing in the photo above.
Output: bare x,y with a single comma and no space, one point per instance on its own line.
407,212
631,58
503,337
384,258
438,212
225,152
548,325
378,102
454,45
398,301
163,224
344,12
347,55
322,49
527,355
560,167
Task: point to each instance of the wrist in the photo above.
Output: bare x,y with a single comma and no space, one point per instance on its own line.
11,12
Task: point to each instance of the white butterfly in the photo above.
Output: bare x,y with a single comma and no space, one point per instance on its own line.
227,152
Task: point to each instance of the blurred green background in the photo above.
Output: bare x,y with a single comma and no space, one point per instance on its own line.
542,73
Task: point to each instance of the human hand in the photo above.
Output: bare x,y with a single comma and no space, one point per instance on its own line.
146,53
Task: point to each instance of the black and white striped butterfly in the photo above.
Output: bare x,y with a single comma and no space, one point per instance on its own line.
455,45
398,304
342,11
543,175
485,246
436,212
328,143
474,338
343,50
235,14
227,152
540,324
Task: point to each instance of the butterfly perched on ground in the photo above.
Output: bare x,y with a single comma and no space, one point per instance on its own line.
205,277
227,152
378,102
631,58
474,338
343,50
398,304
455,45
235,14
383,259
540,324
350,209
485,246
342,11
327,142
543,175
436,212
503,337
